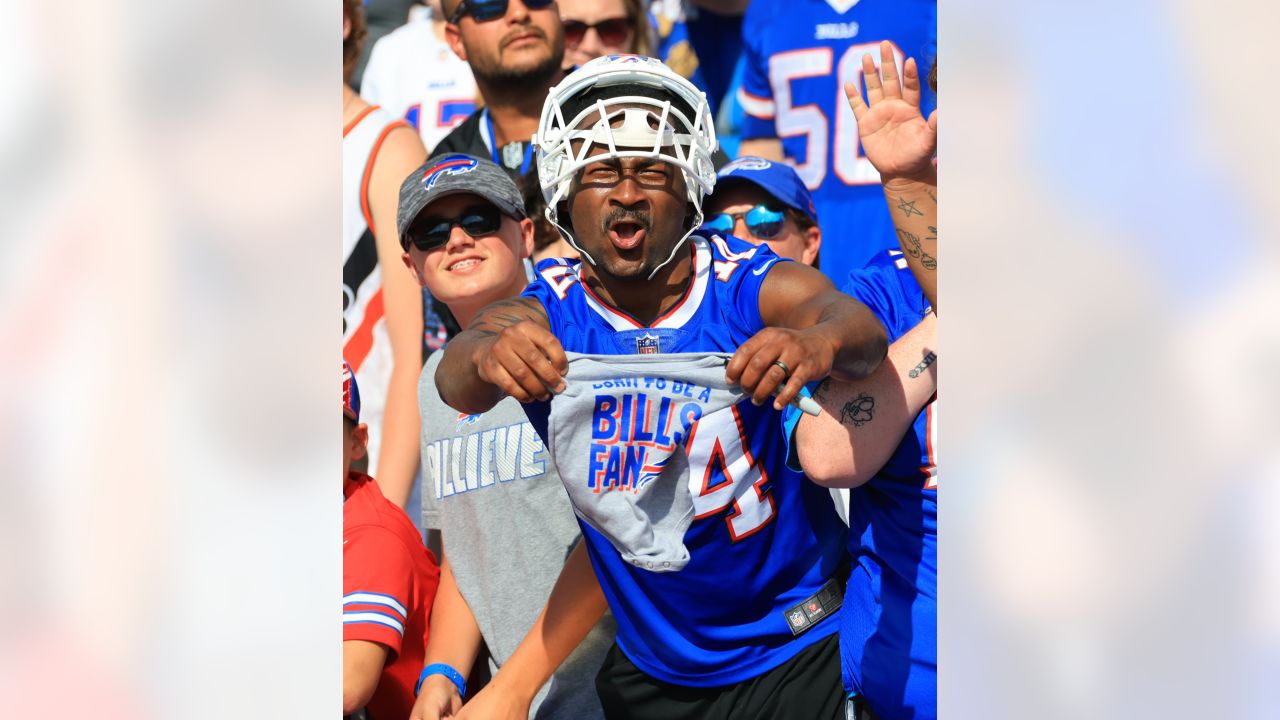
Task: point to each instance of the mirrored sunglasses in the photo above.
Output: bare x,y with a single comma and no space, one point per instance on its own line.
762,221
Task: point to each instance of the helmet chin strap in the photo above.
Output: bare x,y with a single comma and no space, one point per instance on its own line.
573,242
697,217
568,236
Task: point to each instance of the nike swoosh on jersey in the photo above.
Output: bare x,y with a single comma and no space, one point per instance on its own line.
760,270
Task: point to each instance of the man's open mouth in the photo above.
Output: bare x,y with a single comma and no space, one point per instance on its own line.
627,234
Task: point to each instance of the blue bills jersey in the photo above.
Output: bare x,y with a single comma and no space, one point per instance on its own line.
799,54
888,629
764,541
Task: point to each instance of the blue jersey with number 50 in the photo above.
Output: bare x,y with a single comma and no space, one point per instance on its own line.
755,552
799,54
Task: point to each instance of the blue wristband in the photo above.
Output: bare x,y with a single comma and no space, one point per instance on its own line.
445,670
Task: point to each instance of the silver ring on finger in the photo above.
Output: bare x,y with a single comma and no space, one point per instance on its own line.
786,371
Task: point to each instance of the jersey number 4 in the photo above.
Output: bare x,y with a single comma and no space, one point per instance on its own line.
723,474
810,121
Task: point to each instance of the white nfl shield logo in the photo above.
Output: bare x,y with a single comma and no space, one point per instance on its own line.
513,154
647,344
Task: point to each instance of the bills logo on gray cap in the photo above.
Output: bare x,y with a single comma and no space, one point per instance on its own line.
453,174
452,165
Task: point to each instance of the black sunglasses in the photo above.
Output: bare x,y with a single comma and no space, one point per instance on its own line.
486,10
613,31
429,233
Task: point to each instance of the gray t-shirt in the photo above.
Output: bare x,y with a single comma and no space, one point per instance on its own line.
507,527
629,464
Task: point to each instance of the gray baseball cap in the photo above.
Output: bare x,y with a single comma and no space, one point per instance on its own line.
450,175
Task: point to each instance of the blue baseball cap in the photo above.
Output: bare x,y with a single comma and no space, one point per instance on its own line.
776,178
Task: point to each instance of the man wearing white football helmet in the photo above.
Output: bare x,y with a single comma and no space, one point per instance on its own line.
743,630
625,109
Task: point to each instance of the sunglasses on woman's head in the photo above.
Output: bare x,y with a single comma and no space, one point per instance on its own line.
486,10
762,222
430,233
613,31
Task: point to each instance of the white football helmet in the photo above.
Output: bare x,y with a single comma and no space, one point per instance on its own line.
650,128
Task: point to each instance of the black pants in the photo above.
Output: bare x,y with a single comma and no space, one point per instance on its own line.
806,687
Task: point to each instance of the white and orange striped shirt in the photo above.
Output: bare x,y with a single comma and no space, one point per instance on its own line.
365,343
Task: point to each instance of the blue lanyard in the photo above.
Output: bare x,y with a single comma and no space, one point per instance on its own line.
497,152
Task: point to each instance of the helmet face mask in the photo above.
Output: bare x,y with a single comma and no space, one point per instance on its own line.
675,128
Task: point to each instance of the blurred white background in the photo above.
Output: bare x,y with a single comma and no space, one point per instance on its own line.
1110,434
170,321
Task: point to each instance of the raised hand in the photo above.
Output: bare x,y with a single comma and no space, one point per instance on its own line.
895,136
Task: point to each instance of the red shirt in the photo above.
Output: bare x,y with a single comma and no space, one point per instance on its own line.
389,580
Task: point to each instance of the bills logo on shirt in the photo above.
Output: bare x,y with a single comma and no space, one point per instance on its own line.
648,344
465,419
635,430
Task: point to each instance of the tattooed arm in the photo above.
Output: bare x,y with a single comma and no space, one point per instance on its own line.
900,143
508,349
914,206
863,421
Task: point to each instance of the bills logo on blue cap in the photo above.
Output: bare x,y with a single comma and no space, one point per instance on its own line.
746,163
350,393
778,179
449,165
